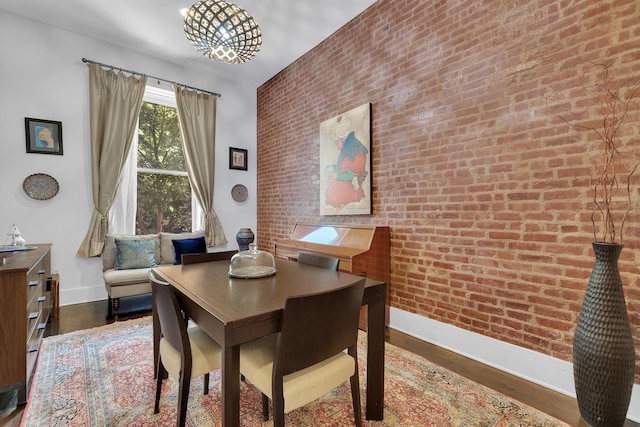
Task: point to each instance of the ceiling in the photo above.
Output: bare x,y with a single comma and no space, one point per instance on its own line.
290,28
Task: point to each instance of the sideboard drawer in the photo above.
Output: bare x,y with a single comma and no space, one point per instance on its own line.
34,290
24,313
34,311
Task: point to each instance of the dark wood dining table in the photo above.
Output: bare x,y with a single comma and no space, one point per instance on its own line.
235,311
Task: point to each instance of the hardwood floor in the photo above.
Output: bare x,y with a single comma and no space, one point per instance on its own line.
556,404
89,315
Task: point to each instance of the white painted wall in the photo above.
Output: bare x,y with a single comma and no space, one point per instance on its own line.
42,76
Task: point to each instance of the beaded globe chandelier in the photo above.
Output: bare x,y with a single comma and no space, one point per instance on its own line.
222,31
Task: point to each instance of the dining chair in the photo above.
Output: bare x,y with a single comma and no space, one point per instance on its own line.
318,261
185,353
306,359
206,257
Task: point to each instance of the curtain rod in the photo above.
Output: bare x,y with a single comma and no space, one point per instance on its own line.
89,61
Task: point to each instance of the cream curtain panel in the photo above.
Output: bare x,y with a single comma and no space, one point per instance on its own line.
114,106
197,117
122,214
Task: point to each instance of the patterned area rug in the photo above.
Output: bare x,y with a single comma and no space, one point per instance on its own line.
104,377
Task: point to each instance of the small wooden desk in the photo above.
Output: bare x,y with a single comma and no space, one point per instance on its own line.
362,249
236,311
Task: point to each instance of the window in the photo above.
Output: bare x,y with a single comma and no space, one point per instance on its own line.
158,194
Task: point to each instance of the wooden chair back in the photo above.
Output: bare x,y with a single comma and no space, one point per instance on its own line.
317,327
173,325
207,257
173,330
318,261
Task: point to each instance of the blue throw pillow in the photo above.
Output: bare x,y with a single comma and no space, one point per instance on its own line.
196,245
132,254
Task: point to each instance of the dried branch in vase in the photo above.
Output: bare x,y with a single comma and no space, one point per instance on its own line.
615,164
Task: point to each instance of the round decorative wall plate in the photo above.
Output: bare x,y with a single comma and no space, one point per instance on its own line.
40,186
239,193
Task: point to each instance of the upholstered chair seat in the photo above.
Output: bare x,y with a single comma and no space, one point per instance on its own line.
299,388
205,354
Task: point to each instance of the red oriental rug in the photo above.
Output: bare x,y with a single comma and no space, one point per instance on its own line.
104,377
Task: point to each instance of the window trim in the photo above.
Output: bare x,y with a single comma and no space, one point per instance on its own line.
157,95
162,172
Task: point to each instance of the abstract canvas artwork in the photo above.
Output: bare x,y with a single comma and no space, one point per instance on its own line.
345,163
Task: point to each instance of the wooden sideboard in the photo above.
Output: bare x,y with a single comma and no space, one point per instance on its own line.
25,305
362,249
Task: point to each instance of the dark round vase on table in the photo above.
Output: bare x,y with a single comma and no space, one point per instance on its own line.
244,238
603,350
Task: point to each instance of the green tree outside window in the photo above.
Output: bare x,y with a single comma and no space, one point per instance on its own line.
164,193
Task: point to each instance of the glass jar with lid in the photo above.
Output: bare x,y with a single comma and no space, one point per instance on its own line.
252,264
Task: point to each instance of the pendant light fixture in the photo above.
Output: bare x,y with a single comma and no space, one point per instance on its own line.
222,31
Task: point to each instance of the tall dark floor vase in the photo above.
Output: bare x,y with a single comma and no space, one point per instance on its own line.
603,353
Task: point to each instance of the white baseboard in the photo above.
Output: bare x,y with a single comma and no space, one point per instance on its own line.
83,294
539,368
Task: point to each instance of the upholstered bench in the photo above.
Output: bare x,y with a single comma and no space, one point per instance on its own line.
126,261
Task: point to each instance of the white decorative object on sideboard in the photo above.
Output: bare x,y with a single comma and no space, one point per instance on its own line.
15,237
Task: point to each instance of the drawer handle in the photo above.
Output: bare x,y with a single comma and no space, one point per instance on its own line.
42,326
33,283
34,315
33,348
42,271
42,298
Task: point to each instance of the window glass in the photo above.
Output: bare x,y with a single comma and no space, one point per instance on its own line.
164,201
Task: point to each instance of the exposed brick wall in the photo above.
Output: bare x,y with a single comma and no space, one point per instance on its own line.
485,188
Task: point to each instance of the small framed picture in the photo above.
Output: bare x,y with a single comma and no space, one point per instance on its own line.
43,136
237,158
